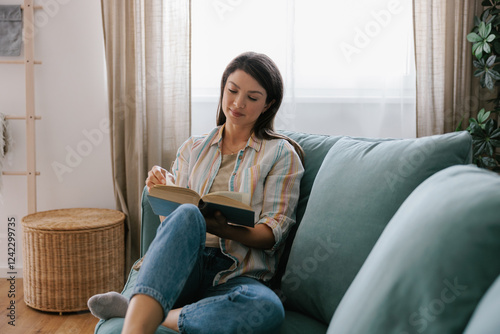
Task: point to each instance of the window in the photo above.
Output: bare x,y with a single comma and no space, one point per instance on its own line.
348,66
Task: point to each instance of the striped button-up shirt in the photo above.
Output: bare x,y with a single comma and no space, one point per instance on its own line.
268,170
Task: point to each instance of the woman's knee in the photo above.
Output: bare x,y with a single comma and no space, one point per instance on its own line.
186,215
191,211
185,220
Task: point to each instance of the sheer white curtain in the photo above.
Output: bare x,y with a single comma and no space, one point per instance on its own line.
147,46
447,89
348,66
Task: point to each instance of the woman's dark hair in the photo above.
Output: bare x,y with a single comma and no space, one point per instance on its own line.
267,74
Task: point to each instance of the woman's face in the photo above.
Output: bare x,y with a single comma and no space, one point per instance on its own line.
244,99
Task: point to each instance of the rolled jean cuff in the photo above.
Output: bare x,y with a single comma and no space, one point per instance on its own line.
144,290
180,322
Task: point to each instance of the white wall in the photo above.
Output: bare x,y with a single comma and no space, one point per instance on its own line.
72,141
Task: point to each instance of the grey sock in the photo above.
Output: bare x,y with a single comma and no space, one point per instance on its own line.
108,305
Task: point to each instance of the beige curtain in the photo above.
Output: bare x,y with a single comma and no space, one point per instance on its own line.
147,47
446,88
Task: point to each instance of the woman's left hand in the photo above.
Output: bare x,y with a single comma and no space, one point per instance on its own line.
217,224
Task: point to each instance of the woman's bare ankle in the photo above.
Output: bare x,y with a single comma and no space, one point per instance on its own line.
172,319
144,315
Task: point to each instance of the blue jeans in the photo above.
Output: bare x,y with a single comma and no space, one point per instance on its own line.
178,271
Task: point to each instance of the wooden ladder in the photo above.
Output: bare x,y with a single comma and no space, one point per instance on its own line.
30,117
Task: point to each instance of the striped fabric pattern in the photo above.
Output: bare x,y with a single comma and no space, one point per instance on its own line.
269,170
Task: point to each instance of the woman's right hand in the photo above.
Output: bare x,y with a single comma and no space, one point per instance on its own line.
158,175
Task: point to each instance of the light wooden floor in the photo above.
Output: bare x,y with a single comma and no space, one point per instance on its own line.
31,321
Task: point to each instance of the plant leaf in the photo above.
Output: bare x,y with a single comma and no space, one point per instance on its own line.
495,134
483,116
487,115
476,130
476,45
474,38
478,73
479,51
485,14
491,18
486,47
494,74
488,81
489,162
482,30
479,148
476,141
480,114
490,38
482,81
489,126
491,60
477,21
495,143
490,150
487,30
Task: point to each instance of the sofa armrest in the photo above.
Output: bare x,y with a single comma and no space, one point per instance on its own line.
149,223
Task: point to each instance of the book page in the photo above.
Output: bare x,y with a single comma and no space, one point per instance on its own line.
175,194
222,199
240,197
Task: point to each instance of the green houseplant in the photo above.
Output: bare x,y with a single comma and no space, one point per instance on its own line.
485,39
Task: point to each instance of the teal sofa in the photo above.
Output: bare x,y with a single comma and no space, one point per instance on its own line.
392,236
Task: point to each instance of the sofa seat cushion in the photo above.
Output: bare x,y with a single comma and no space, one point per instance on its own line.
298,323
359,187
434,261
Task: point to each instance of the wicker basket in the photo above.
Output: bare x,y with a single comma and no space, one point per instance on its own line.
70,255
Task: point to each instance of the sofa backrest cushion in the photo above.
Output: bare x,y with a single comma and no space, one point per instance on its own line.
315,147
434,261
359,187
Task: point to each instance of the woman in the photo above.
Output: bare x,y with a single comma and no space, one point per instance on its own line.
202,274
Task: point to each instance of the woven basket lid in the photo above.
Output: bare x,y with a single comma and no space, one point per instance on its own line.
73,219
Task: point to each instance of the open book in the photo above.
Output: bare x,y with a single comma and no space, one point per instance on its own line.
164,199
